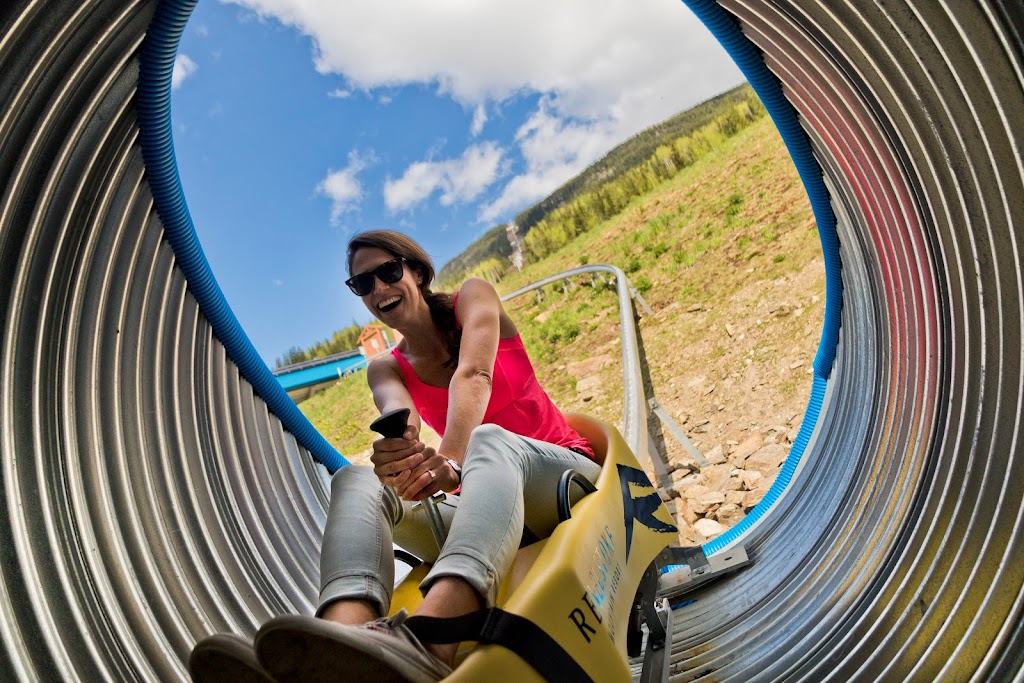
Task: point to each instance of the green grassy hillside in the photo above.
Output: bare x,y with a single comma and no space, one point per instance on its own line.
603,188
635,151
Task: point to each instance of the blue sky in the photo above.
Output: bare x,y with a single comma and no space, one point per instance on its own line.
300,122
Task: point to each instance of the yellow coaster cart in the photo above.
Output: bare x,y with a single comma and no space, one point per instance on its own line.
574,605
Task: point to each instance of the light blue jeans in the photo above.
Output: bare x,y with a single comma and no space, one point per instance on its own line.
508,481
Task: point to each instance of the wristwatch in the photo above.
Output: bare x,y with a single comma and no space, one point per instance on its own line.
457,468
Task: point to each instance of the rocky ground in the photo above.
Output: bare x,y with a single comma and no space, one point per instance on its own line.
738,392
742,415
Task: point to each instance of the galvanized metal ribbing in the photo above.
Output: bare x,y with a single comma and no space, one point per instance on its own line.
153,102
149,497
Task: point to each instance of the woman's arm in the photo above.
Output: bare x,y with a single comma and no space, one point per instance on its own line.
394,459
388,388
480,311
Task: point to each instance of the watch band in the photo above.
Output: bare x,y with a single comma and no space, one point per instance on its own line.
456,467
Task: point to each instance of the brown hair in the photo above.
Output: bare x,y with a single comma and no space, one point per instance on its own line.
441,304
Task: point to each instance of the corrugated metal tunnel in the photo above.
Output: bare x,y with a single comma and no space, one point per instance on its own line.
151,495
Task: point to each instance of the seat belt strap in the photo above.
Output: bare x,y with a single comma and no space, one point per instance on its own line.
511,631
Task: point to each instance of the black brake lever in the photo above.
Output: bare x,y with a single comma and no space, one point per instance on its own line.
392,424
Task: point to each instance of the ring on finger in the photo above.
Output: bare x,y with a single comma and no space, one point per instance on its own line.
432,474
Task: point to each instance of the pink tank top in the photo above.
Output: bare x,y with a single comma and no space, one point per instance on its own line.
518,402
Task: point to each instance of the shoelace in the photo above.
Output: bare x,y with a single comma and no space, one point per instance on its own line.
389,624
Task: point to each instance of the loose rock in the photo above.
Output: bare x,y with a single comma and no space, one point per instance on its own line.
733,484
767,459
745,449
707,503
693,491
715,476
751,479
751,499
735,498
588,387
683,512
588,367
684,478
708,528
716,456
730,515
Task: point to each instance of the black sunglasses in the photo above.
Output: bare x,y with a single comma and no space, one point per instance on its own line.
388,272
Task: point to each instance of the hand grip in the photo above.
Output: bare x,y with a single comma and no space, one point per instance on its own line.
392,424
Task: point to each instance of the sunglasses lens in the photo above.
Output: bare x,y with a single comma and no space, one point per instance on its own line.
361,284
389,273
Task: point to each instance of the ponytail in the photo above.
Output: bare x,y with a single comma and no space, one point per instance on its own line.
442,312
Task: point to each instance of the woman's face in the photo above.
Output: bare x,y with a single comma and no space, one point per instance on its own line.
389,303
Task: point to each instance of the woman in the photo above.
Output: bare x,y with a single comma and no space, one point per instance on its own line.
460,367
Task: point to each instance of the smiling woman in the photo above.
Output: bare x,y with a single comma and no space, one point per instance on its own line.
145,481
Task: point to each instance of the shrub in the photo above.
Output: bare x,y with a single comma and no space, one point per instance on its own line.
658,249
562,325
642,284
734,205
686,257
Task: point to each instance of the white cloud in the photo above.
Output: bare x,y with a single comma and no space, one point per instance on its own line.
277,283
554,150
606,69
459,180
183,68
343,186
339,93
593,56
479,120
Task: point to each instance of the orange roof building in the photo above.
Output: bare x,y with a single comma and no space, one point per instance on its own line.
373,341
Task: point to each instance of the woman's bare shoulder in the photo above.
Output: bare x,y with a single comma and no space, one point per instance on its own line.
477,292
477,287
381,367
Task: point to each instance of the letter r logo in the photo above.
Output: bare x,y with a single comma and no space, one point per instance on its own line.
640,509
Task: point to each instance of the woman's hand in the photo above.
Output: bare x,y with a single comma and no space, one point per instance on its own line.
414,469
433,474
394,458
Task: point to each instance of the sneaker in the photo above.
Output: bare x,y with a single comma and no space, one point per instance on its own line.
226,658
297,648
